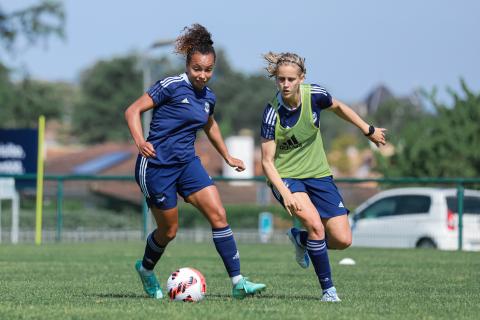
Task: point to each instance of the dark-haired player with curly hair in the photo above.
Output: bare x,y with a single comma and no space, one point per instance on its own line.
167,163
294,161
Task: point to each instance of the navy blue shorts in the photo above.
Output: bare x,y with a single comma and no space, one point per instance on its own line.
160,184
322,192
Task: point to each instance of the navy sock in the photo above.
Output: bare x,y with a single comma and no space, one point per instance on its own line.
303,236
227,248
153,252
317,250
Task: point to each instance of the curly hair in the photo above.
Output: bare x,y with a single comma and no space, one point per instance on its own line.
195,38
274,60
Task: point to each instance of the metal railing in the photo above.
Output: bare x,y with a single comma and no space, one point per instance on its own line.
459,184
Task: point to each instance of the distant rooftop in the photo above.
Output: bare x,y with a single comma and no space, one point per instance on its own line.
101,163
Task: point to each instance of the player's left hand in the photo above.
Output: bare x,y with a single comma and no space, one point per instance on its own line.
378,137
235,163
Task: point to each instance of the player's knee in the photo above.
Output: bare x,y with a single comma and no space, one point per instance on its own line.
342,242
171,233
316,230
218,217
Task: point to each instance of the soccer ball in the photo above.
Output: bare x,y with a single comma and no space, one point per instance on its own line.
186,284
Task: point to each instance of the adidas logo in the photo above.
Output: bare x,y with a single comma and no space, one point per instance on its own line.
340,205
236,256
185,101
291,143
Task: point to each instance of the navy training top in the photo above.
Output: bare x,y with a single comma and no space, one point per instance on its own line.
179,112
321,100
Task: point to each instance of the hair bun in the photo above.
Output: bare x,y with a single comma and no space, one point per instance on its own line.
195,37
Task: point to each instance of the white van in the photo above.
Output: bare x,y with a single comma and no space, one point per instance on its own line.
417,218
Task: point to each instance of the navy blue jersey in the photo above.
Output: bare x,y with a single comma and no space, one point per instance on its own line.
321,99
179,112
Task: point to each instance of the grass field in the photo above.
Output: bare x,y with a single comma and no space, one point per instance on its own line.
97,281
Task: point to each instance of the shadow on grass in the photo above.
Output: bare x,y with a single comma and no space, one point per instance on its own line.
118,295
265,296
222,297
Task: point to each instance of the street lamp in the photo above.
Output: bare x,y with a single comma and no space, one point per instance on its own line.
147,78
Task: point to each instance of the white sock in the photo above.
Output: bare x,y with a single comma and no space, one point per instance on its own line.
145,271
236,279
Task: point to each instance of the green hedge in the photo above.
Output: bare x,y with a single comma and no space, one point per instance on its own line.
239,216
82,214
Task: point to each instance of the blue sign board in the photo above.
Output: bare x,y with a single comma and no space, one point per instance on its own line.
18,152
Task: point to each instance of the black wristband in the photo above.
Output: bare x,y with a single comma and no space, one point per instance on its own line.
371,130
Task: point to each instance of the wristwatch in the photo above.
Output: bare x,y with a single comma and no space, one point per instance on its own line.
371,130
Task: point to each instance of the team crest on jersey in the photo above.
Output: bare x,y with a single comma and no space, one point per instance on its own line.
207,107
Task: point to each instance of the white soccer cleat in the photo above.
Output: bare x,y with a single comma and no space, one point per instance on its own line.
301,255
330,295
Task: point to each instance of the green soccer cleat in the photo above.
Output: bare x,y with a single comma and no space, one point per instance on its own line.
246,288
150,282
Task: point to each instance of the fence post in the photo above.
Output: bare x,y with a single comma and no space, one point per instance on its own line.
58,236
460,193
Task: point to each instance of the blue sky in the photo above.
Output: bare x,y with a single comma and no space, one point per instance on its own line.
350,46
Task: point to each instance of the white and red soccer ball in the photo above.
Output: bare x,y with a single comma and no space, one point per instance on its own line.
186,284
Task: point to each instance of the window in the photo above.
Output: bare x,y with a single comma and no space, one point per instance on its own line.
381,208
397,205
470,204
412,204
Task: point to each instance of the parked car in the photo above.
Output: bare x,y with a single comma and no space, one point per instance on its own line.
417,218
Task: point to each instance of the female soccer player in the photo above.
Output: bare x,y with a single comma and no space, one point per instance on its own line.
294,161
167,163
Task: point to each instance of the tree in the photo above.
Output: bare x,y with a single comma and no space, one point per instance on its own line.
240,98
22,102
395,115
7,96
28,99
106,88
31,24
338,155
109,86
440,145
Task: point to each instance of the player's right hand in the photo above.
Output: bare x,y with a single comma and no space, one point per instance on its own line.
146,149
292,205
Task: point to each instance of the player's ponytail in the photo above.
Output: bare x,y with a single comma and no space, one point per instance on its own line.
274,60
194,39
